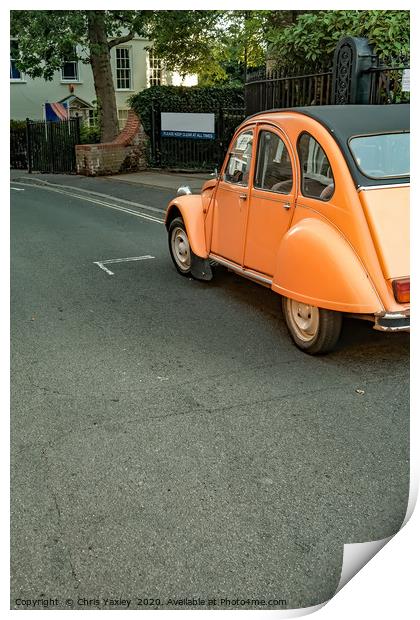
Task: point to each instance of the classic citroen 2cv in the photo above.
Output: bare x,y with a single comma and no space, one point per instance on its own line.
313,203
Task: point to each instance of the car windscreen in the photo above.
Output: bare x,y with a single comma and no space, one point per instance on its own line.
382,156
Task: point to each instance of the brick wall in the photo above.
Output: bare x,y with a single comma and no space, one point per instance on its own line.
127,153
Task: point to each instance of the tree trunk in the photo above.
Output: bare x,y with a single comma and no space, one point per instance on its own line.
100,60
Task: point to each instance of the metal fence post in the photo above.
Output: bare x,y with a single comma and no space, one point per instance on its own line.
158,136
153,132
28,146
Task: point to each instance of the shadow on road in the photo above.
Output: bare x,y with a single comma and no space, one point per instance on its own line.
358,338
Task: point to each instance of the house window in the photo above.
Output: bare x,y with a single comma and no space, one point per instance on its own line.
70,68
155,69
15,74
92,119
122,118
123,68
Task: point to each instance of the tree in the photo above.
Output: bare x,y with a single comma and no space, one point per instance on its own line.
308,44
217,45
243,43
186,41
46,38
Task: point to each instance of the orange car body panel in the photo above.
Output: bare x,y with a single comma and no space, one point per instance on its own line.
388,214
323,281
230,211
339,254
191,209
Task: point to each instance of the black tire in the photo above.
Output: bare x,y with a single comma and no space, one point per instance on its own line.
326,327
177,229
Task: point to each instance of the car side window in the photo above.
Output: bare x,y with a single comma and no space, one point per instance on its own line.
274,169
239,164
317,180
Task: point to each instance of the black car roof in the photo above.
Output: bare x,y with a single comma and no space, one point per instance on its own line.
347,121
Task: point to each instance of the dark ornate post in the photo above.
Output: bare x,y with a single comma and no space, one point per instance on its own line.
353,59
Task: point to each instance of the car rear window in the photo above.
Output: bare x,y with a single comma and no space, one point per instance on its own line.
317,180
382,156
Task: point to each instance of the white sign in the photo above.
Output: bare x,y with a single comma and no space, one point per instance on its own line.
406,81
187,125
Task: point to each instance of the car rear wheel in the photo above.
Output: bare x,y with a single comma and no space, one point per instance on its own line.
179,246
314,330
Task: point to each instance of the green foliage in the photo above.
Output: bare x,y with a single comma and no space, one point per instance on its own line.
217,45
184,40
309,44
14,124
240,43
184,99
89,135
47,38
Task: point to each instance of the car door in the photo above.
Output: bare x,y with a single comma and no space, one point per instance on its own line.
272,199
231,200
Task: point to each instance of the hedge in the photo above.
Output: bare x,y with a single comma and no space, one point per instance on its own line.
14,124
184,99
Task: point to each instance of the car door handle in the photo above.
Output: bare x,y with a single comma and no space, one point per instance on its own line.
242,196
287,205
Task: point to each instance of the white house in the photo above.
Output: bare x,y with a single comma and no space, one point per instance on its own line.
134,68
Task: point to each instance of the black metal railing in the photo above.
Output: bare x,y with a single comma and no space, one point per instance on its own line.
18,148
273,89
387,85
357,76
51,145
45,146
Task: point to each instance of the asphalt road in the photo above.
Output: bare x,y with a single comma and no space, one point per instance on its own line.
168,439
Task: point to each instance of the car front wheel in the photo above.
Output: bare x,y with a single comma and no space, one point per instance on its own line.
314,330
179,246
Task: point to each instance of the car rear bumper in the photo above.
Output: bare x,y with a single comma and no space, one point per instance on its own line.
392,322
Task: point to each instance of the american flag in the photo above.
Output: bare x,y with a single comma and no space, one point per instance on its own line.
56,112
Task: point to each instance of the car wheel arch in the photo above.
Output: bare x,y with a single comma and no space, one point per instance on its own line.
190,209
327,273
172,213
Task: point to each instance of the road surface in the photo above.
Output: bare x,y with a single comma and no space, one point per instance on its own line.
169,442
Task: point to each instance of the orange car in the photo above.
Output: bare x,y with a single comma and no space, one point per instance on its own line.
314,204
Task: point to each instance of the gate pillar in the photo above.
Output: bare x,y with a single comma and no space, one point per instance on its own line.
353,58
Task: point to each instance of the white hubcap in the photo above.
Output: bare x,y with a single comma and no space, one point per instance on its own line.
304,318
181,248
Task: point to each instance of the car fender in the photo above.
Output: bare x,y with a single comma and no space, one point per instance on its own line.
190,208
316,265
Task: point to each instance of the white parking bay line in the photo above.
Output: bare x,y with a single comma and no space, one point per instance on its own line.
17,189
126,260
101,263
101,266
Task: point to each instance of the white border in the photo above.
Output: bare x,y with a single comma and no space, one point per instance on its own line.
387,586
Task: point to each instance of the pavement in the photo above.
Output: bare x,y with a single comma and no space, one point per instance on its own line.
170,181
168,441
165,180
